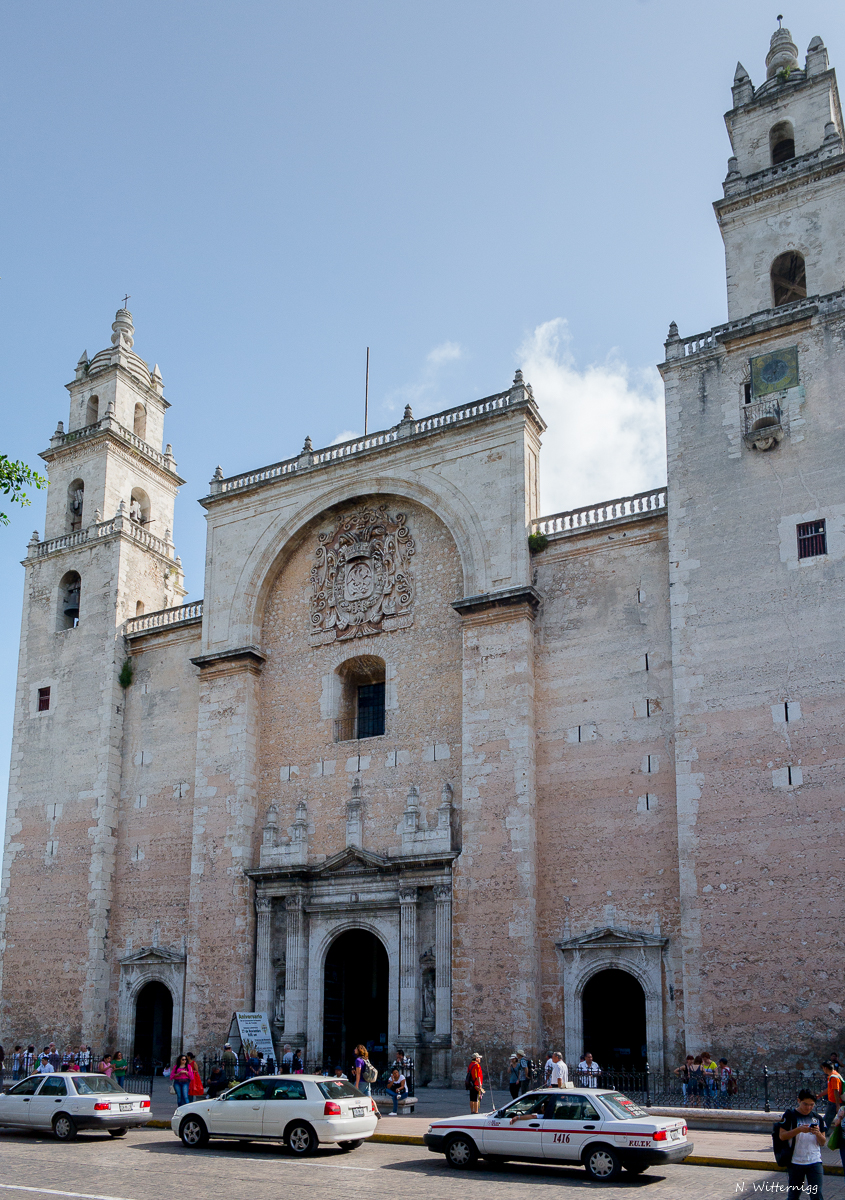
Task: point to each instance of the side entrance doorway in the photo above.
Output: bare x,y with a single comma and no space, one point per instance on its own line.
153,1025
615,1021
355,999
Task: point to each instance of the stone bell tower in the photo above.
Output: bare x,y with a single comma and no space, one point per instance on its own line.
107,554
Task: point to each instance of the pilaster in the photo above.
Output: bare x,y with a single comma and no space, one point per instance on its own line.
296,970
263,966
408,964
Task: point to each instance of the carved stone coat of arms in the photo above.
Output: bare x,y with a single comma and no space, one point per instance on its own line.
361,581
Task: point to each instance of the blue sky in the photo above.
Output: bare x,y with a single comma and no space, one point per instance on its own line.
464,186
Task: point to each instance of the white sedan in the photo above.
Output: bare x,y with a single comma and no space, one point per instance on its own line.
67,1101
299,1110
600,1128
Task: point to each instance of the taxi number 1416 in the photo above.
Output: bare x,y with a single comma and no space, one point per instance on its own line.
562,1137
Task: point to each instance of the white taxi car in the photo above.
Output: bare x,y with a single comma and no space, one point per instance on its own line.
300,1110
598,1127
67,1101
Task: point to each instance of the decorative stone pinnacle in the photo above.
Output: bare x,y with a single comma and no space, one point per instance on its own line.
307,447
98,516
121,508
673,332
517,379
83,359
218,472
124,330
407,415
168,451
34,540
60,428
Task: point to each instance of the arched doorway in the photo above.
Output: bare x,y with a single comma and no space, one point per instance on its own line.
153,1024
614,1021
355,995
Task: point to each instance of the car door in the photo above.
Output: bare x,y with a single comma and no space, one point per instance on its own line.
51,1096
516,1131
14,1105
569,1125
241,1112
285,1099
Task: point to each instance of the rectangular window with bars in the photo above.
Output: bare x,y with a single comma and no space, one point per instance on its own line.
44,699
812,539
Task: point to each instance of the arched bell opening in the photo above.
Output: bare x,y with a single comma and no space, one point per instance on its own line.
70,591
75,503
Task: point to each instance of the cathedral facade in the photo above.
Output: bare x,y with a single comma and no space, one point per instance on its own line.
426,768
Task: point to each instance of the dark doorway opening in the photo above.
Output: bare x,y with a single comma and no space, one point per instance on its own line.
153,1025
355,999
614,1021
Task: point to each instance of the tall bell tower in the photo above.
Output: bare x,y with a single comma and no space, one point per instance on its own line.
107,554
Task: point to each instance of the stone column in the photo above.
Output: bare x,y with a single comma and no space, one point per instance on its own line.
408,965
443,959
296,975
264,989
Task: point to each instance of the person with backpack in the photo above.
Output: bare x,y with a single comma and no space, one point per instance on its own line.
526,1071
365,1075
474,1082
797,1140
833,1091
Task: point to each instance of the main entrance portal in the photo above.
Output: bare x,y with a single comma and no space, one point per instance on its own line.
614,1021
153,1024
355,999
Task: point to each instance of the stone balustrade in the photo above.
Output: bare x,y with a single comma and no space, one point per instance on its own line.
808,306
406,428
164,618
106,424
102,529
643,504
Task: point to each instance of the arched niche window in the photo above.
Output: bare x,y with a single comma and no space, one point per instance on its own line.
139,506
75,502
362,698
92,412
789,278
782,142
70,590
139,608
140,425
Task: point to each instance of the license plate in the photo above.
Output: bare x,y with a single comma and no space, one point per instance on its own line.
674,1133
126,1108
358,1112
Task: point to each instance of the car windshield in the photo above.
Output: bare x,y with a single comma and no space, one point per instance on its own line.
621,1106
95,1085
338,1089
531,1103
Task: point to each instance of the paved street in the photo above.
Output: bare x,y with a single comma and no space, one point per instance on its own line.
149,1164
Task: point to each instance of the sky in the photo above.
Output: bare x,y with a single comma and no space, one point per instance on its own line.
464,186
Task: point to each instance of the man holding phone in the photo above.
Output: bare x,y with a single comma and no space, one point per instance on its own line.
804,1128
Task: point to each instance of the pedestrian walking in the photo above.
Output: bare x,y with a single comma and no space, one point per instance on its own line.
180,1078
559,1075
120,1066
684,1072
513,1078
832,1093
365,1074
588,1071
396,1088
547,1069
710,1075
524,1073
727,1084
475,1082
804,1129
229,1061
195,1089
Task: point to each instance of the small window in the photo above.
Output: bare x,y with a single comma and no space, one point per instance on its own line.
139,608
746,391
361,707
371,710
782,143
44,699
92,411
789,278
812,539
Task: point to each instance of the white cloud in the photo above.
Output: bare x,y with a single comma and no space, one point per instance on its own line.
606,431
346,436
423,394
445,352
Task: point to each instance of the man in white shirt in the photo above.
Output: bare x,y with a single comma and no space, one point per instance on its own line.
588,1072
547,1070
559,1075
45,1067
805,1171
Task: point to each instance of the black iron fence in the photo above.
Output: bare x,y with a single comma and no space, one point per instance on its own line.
243,1070
136,1085
761,1089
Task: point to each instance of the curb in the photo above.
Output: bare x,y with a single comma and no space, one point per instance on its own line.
157,1125
397,1139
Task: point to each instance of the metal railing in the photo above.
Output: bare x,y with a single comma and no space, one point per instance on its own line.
759,414
243,1071
642,504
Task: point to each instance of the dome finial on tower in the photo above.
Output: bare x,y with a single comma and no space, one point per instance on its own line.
783,53
124,330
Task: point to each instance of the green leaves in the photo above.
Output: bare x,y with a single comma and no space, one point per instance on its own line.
14,477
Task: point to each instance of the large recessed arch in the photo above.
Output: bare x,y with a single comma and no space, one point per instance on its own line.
272,551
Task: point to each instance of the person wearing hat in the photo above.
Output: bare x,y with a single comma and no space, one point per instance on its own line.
513,1081
229,1061
475,1079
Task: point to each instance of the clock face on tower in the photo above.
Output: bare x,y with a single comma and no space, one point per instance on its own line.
774,372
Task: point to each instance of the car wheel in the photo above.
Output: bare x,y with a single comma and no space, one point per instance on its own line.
301,1139
461,1152
193,1133
351,1145
64,1128
117,1133
602,1163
